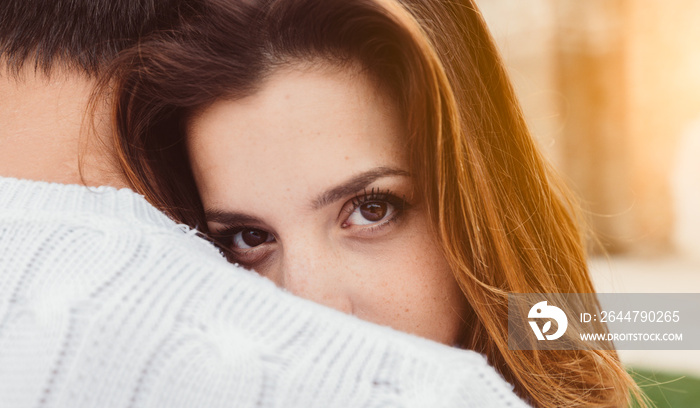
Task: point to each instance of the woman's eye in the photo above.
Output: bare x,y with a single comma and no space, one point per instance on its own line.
251,237
371,213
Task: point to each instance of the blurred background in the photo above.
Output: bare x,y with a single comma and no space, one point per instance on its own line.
611,91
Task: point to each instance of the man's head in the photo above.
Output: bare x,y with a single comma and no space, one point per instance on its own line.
80,35
58,48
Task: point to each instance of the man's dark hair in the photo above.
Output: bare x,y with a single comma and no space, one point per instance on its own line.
78,34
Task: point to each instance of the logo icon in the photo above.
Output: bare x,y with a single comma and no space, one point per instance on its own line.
542,310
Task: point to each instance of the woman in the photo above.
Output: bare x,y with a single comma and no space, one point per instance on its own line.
369,155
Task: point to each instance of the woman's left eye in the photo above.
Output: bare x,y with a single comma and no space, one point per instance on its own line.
371,213
373,209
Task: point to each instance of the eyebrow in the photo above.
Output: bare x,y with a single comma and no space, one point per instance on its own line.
355,184
229,218
351,186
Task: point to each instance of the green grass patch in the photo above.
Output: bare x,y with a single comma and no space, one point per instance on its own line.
668,390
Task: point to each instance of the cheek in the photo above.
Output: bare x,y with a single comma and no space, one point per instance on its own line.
410,287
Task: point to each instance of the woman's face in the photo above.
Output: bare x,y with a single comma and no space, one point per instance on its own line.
306,183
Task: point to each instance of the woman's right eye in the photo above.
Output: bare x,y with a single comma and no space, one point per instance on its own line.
250,238
245,246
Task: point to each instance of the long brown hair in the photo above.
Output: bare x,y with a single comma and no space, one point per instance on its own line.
504,221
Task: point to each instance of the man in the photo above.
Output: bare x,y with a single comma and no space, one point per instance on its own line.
105,302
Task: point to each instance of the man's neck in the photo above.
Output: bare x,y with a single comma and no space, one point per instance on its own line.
46,135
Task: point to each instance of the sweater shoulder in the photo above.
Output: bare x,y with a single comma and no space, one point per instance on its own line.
100,291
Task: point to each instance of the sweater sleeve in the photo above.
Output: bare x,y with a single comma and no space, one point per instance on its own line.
102,311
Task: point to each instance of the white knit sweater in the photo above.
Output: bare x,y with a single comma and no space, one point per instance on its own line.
105,302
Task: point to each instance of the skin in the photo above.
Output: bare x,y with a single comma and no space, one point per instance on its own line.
46,135
286,168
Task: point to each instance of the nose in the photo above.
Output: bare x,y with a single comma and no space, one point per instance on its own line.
311,269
